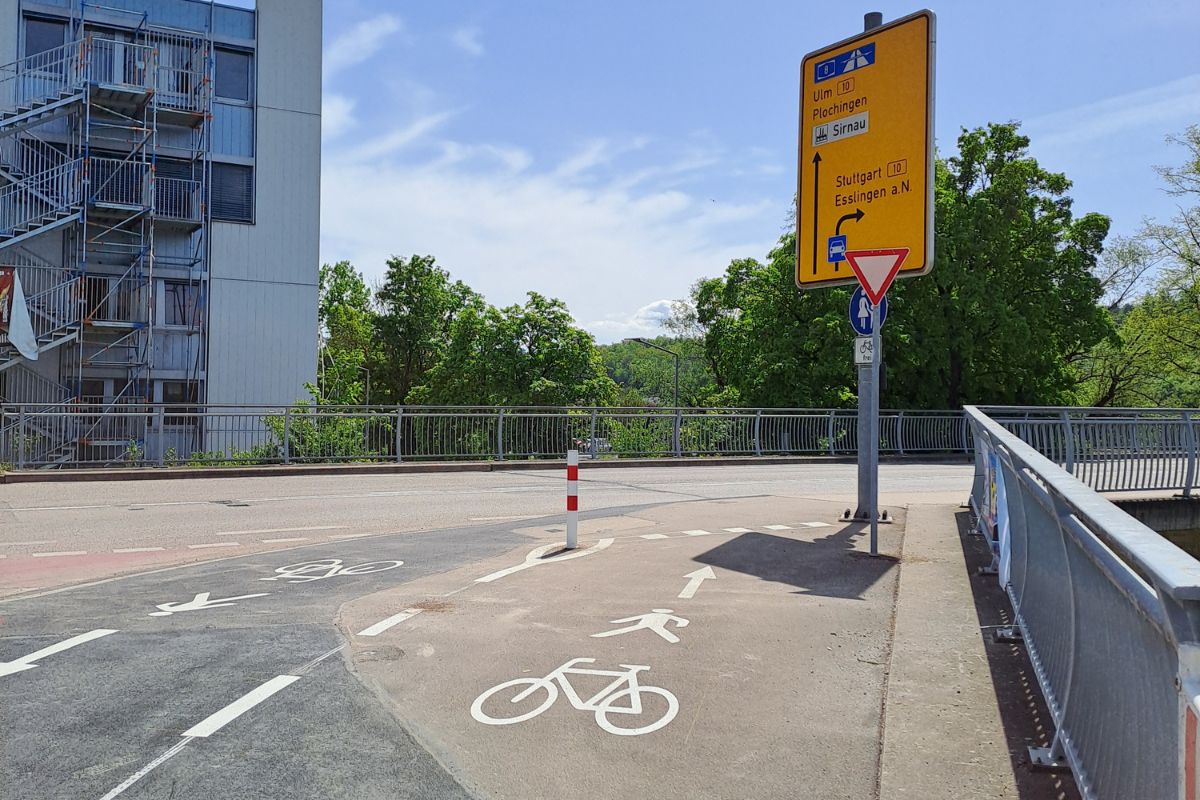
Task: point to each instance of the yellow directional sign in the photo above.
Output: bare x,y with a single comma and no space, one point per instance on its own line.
865,178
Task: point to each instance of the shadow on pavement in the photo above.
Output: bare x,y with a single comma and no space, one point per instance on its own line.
1022,708
829,566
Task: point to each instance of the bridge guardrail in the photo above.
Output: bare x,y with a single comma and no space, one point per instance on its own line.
211,434
1109,610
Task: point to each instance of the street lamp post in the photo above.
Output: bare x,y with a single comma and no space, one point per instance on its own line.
671,353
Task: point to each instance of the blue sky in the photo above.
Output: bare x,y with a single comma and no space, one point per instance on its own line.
612,153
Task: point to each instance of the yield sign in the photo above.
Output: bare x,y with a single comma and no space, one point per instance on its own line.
876,269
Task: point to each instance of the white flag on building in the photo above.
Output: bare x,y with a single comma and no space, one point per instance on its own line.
14,314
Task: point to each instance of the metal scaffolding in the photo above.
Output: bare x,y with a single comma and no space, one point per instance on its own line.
106,139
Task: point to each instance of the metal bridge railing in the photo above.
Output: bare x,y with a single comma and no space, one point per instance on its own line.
212,434
1109,609
1112,449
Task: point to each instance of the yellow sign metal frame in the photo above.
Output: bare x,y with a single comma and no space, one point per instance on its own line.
865,156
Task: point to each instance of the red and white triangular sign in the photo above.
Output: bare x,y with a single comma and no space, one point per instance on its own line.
876,269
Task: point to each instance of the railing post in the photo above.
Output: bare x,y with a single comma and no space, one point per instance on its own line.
1189,438
758,432
832,420
500,435
399,433
675,435
21,437
287,435
593,445
160,418
966,430
900,432
1068,442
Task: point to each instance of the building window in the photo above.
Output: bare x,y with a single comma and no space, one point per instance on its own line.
183,395
182,304
233,75
42,35
233,192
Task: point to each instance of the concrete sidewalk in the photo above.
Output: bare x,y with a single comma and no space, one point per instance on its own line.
84,475
960,709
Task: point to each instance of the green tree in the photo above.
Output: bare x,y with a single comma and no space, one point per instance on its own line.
650,373
345,320
1155,357
1010,305
417,306
531,354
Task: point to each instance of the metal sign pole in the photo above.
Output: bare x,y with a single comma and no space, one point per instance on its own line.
873,429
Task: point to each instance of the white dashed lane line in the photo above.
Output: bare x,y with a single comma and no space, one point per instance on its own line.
281,530
60,553
289,539
138,549
213,544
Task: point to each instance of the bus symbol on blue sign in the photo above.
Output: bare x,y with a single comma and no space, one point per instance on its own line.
840,64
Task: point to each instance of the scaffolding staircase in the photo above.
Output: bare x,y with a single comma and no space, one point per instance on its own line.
78,148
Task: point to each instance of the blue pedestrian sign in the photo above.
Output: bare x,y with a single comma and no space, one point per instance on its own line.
859,57
837,248
860,312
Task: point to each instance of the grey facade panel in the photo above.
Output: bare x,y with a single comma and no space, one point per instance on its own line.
283,245
262,343
289,55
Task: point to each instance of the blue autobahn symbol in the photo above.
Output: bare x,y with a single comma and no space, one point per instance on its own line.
849,61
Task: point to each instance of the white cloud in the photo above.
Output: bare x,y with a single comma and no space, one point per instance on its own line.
506,228
646,321
359,43
396,140
1161,108
337,115
469,40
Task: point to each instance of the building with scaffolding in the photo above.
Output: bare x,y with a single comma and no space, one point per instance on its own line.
159,202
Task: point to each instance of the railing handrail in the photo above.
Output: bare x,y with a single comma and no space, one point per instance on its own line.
1153,555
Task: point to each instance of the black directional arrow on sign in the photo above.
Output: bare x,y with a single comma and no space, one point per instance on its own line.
816,204
856,216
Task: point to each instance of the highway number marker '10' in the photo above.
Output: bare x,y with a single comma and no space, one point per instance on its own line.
865,171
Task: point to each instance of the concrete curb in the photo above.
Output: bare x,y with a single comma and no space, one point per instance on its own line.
277,470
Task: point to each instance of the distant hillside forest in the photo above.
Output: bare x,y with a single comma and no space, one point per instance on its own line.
1029,303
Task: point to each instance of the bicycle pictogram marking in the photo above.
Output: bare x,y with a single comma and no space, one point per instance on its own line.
604,703
327,568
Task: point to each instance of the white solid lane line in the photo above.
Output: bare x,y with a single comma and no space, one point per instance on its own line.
144,771
240,706
27,662
60,553
138,549
282,530
395,619
213,544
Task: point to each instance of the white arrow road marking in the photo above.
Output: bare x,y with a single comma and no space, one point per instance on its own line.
535,558
199,603
26,662
698,577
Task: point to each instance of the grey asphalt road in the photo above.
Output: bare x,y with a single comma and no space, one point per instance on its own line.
87,719
254,699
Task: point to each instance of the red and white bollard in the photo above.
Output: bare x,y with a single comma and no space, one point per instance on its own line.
572,499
